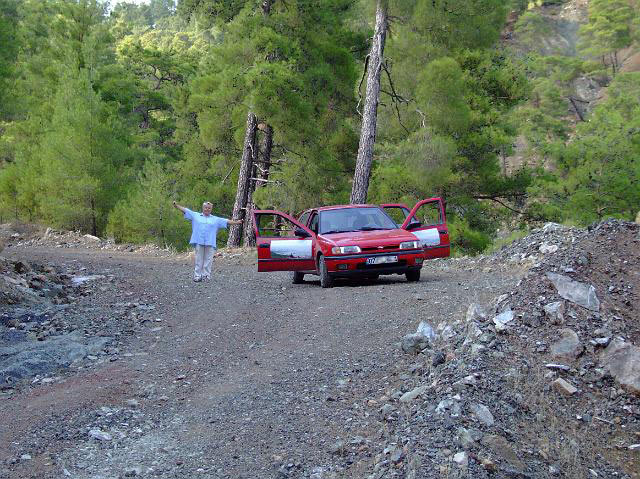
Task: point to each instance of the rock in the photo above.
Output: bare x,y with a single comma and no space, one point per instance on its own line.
561,367
461,459
397,455
555,312
568,347
581,294
468,438
503,450
25,457
27,359
548,248
132,472
439,358
414,343
622,360
475,312
420,340
413,394
425,329
500,321
337,448
100,435
92,238
564,387
482,414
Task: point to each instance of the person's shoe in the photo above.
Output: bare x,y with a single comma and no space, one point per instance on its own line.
206,278
197,280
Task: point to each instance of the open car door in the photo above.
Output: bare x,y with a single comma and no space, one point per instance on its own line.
283,243
428,222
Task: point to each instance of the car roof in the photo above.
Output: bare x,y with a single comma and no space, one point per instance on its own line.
338,207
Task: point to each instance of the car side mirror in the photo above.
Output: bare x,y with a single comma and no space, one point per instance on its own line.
299,232
412,226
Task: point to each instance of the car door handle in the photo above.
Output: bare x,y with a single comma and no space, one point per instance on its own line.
263,245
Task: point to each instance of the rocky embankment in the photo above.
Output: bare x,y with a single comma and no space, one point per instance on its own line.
542,382
53,318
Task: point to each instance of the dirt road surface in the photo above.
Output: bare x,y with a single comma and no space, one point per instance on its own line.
247,376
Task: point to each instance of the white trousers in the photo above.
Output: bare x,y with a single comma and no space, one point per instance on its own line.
204,258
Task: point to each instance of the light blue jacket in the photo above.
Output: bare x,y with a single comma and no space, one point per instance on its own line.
204,229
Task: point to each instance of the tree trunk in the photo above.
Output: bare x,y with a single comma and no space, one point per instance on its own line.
260,171
244,176
266,7
267,146
370,113
249,235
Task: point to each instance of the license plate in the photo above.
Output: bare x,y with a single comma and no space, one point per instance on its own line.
382,259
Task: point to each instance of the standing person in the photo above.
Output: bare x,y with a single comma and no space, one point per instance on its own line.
204,230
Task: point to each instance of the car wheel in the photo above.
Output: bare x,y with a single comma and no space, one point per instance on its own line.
326,281
297,277
413,275
373,277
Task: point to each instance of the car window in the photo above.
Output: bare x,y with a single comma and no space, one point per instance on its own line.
275,226
429,214
304,217
397,213
354,219
313,225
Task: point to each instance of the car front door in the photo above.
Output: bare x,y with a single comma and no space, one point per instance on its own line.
283,243
428,222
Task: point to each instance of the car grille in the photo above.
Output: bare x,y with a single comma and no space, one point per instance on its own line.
384,249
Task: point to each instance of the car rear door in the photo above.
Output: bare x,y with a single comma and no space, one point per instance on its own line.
283,243
428,222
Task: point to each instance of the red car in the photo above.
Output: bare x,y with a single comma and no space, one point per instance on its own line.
352,240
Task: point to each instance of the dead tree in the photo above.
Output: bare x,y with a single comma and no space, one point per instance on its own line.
244,179
265,150
259,177
374,64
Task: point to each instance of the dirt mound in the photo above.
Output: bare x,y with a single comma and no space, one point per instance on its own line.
542,382
25,235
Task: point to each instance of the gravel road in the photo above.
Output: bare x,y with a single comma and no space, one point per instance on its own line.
243,377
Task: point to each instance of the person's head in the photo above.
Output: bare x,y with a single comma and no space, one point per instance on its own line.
206,208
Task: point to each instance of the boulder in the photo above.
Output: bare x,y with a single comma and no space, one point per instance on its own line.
622,360
416,342
555,312
579,293
475,312
568,347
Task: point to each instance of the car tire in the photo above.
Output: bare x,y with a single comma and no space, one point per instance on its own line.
373,277
326,281
297,277
413,275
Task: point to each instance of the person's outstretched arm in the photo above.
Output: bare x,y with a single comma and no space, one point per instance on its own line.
234,222
179,207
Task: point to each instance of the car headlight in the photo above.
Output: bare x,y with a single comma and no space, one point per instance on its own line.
345,249
409,245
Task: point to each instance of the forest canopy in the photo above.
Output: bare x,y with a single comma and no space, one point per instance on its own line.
108,113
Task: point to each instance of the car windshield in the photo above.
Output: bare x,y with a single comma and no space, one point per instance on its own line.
354,219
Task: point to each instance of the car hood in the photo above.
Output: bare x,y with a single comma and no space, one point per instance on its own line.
369,238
